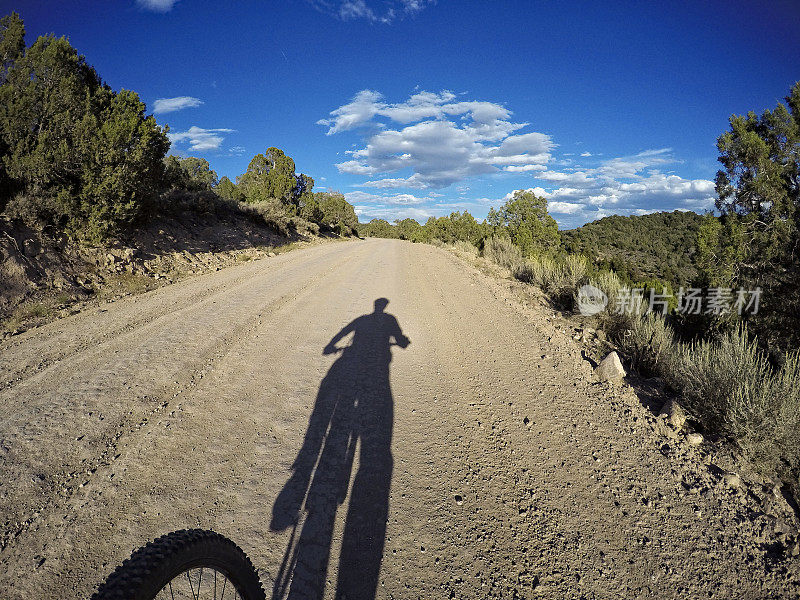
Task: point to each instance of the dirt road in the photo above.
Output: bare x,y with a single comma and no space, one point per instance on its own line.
457,448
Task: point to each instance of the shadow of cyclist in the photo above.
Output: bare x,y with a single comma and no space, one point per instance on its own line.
354,407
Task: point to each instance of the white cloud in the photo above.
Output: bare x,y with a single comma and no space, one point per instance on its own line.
440,141
524,168
624,185
585,154
383,11
359,197
168,105
370,205
564,208
413,182
199,139
161,6
367,213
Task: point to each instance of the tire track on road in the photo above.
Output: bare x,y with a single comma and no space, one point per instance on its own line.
144,400
37,350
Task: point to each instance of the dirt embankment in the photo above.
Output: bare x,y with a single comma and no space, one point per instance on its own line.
44,276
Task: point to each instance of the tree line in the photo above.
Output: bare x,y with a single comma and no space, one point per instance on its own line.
79,157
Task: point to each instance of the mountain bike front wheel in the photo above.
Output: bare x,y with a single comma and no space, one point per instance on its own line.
189,564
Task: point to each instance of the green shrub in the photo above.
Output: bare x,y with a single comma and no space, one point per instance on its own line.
650,345
500,250
270,213
89,155
37,210
179,202
730,387
466,248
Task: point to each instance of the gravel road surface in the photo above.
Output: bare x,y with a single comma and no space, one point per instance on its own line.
450,443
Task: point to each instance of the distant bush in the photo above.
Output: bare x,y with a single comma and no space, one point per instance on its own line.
466,248
379,228
500,250
661,245
526,220
331,211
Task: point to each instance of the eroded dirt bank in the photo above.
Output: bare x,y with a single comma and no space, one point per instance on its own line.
480,460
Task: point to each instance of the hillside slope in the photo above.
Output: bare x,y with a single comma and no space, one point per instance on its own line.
659,245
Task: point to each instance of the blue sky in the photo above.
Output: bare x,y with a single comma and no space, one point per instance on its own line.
418,108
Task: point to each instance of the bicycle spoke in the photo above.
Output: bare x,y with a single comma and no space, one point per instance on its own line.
198,584
191,587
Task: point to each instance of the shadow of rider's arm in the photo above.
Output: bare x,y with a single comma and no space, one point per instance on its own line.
331,347
397,333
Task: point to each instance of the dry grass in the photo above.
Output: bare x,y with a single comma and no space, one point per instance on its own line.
124,283
501,251
731,389
558,277
466,248
28,314
650,345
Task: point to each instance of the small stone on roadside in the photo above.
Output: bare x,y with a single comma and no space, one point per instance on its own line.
694,439
675,415
610,368
732,480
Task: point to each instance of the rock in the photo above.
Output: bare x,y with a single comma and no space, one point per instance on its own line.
674,413
270,254
610,368
694,439
732,480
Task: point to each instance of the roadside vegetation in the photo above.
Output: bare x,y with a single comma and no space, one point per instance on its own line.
79,158
86,174
737,373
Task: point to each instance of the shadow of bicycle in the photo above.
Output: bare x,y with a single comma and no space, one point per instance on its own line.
354,408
